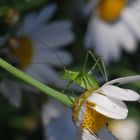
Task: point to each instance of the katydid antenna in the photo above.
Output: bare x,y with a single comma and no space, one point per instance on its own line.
46,45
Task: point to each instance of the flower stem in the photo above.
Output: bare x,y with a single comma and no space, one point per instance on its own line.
65,99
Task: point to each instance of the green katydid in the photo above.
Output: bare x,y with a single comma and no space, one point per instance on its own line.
85,80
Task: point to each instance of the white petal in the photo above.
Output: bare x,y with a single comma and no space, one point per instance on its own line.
45,14
118,93
137,96
102,37
124,80
46,74
125,37
136,6
12,91
61,128
85,135
49,110
32,71
33,20
80,116
51,58
27,26
109,107
56,34
129,18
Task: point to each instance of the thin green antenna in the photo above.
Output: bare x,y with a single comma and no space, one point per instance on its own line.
53,51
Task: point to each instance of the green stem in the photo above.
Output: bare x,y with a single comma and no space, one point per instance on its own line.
67,100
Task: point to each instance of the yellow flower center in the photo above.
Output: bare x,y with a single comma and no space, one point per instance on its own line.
22,50
110,10
92,120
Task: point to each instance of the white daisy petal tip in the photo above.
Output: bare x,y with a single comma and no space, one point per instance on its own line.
119,93
135,95
50,8
124,80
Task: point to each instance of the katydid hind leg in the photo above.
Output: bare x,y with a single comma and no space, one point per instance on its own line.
101,68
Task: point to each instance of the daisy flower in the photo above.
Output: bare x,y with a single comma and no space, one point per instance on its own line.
29,45
93,108
113,26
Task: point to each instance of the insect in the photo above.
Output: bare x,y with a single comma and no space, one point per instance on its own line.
86,80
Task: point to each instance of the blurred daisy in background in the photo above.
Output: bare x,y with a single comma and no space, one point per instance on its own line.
114,25
57,122
126,129
29,46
